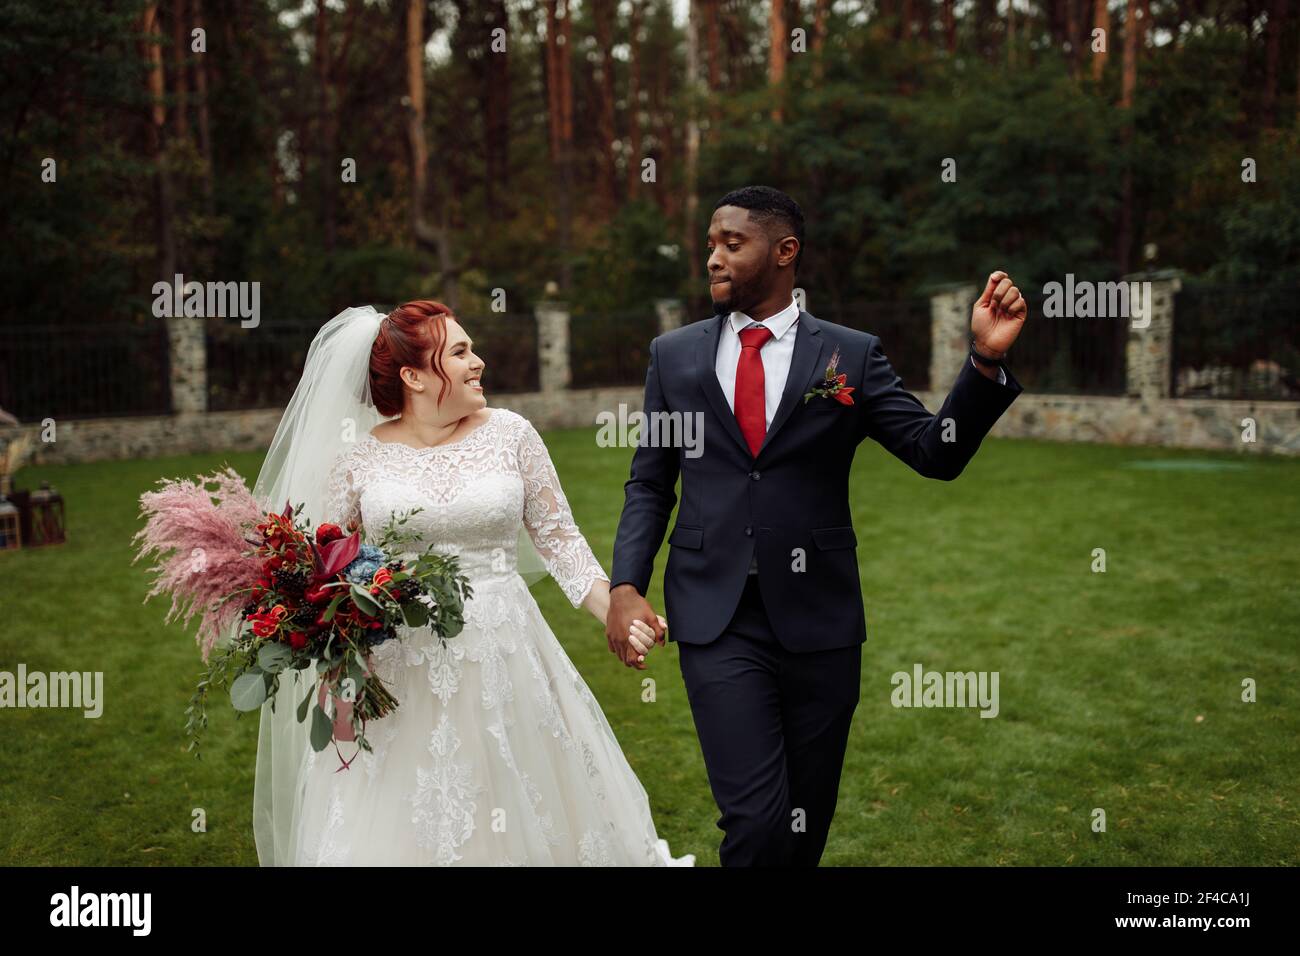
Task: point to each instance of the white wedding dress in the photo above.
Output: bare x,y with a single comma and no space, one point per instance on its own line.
498,754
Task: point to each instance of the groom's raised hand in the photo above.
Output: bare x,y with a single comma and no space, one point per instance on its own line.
998,316
625,606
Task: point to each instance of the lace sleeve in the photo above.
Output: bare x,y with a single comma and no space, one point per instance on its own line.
568,557
343,498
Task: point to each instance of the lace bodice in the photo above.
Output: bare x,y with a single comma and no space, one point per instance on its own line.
474,493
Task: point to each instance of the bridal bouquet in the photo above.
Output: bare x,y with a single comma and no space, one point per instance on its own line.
292,596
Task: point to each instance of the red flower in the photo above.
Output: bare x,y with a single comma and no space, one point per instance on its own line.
842,395
315,595
266,622
327,533
297,640
383,576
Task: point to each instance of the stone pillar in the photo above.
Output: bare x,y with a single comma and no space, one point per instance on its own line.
670,314
552,346
1148,355
189,364
949,333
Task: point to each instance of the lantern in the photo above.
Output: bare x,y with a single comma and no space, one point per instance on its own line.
11,535
47,516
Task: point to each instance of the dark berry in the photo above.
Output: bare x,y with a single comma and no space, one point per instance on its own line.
290,582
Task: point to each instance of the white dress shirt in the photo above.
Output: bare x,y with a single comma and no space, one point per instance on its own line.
776,355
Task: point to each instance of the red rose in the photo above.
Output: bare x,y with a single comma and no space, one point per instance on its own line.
297,640
327,533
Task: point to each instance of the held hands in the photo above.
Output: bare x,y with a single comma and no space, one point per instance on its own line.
998,316
632,627
642,638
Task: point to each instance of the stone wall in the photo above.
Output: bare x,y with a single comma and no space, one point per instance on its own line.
102,439
1209,424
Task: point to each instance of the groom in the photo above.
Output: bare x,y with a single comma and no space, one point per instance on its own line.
761,587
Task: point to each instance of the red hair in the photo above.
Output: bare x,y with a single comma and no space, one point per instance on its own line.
412,334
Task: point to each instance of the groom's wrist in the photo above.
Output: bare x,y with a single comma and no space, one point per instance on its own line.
988,371
984,355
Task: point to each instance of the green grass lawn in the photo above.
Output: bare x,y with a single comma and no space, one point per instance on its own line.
1120,691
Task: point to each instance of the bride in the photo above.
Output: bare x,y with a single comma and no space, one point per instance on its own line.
498,754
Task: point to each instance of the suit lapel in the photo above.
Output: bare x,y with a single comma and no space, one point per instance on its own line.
808,347
706,357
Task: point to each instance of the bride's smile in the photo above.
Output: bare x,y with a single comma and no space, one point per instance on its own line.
442,396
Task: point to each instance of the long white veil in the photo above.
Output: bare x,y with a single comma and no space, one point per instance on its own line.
330,409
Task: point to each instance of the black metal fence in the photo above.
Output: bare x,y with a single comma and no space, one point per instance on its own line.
1228,342
1070,355
611,349
1236,342
256,367
507,343
260,367
85,370
904,330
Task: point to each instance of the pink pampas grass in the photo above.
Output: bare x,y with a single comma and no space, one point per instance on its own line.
199,538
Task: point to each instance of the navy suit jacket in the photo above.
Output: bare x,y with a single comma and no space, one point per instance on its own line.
793,495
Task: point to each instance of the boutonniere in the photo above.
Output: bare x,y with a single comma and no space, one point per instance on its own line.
833,385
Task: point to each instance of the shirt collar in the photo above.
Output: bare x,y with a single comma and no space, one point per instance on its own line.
778,324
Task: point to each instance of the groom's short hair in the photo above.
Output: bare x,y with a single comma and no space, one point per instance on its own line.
771,209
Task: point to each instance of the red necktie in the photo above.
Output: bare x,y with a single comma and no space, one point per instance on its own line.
751,411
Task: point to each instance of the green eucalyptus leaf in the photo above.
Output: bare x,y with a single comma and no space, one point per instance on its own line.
322,730
416,614
274,657
362,599
334,605
248,692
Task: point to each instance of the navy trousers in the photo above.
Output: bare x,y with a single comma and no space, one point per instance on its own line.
773,727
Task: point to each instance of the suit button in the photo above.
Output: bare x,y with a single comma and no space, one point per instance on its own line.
749,531
754,475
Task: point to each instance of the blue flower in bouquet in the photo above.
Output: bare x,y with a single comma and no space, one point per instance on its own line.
363,567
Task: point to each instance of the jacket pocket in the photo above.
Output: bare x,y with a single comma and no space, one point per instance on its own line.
828,539
686,536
